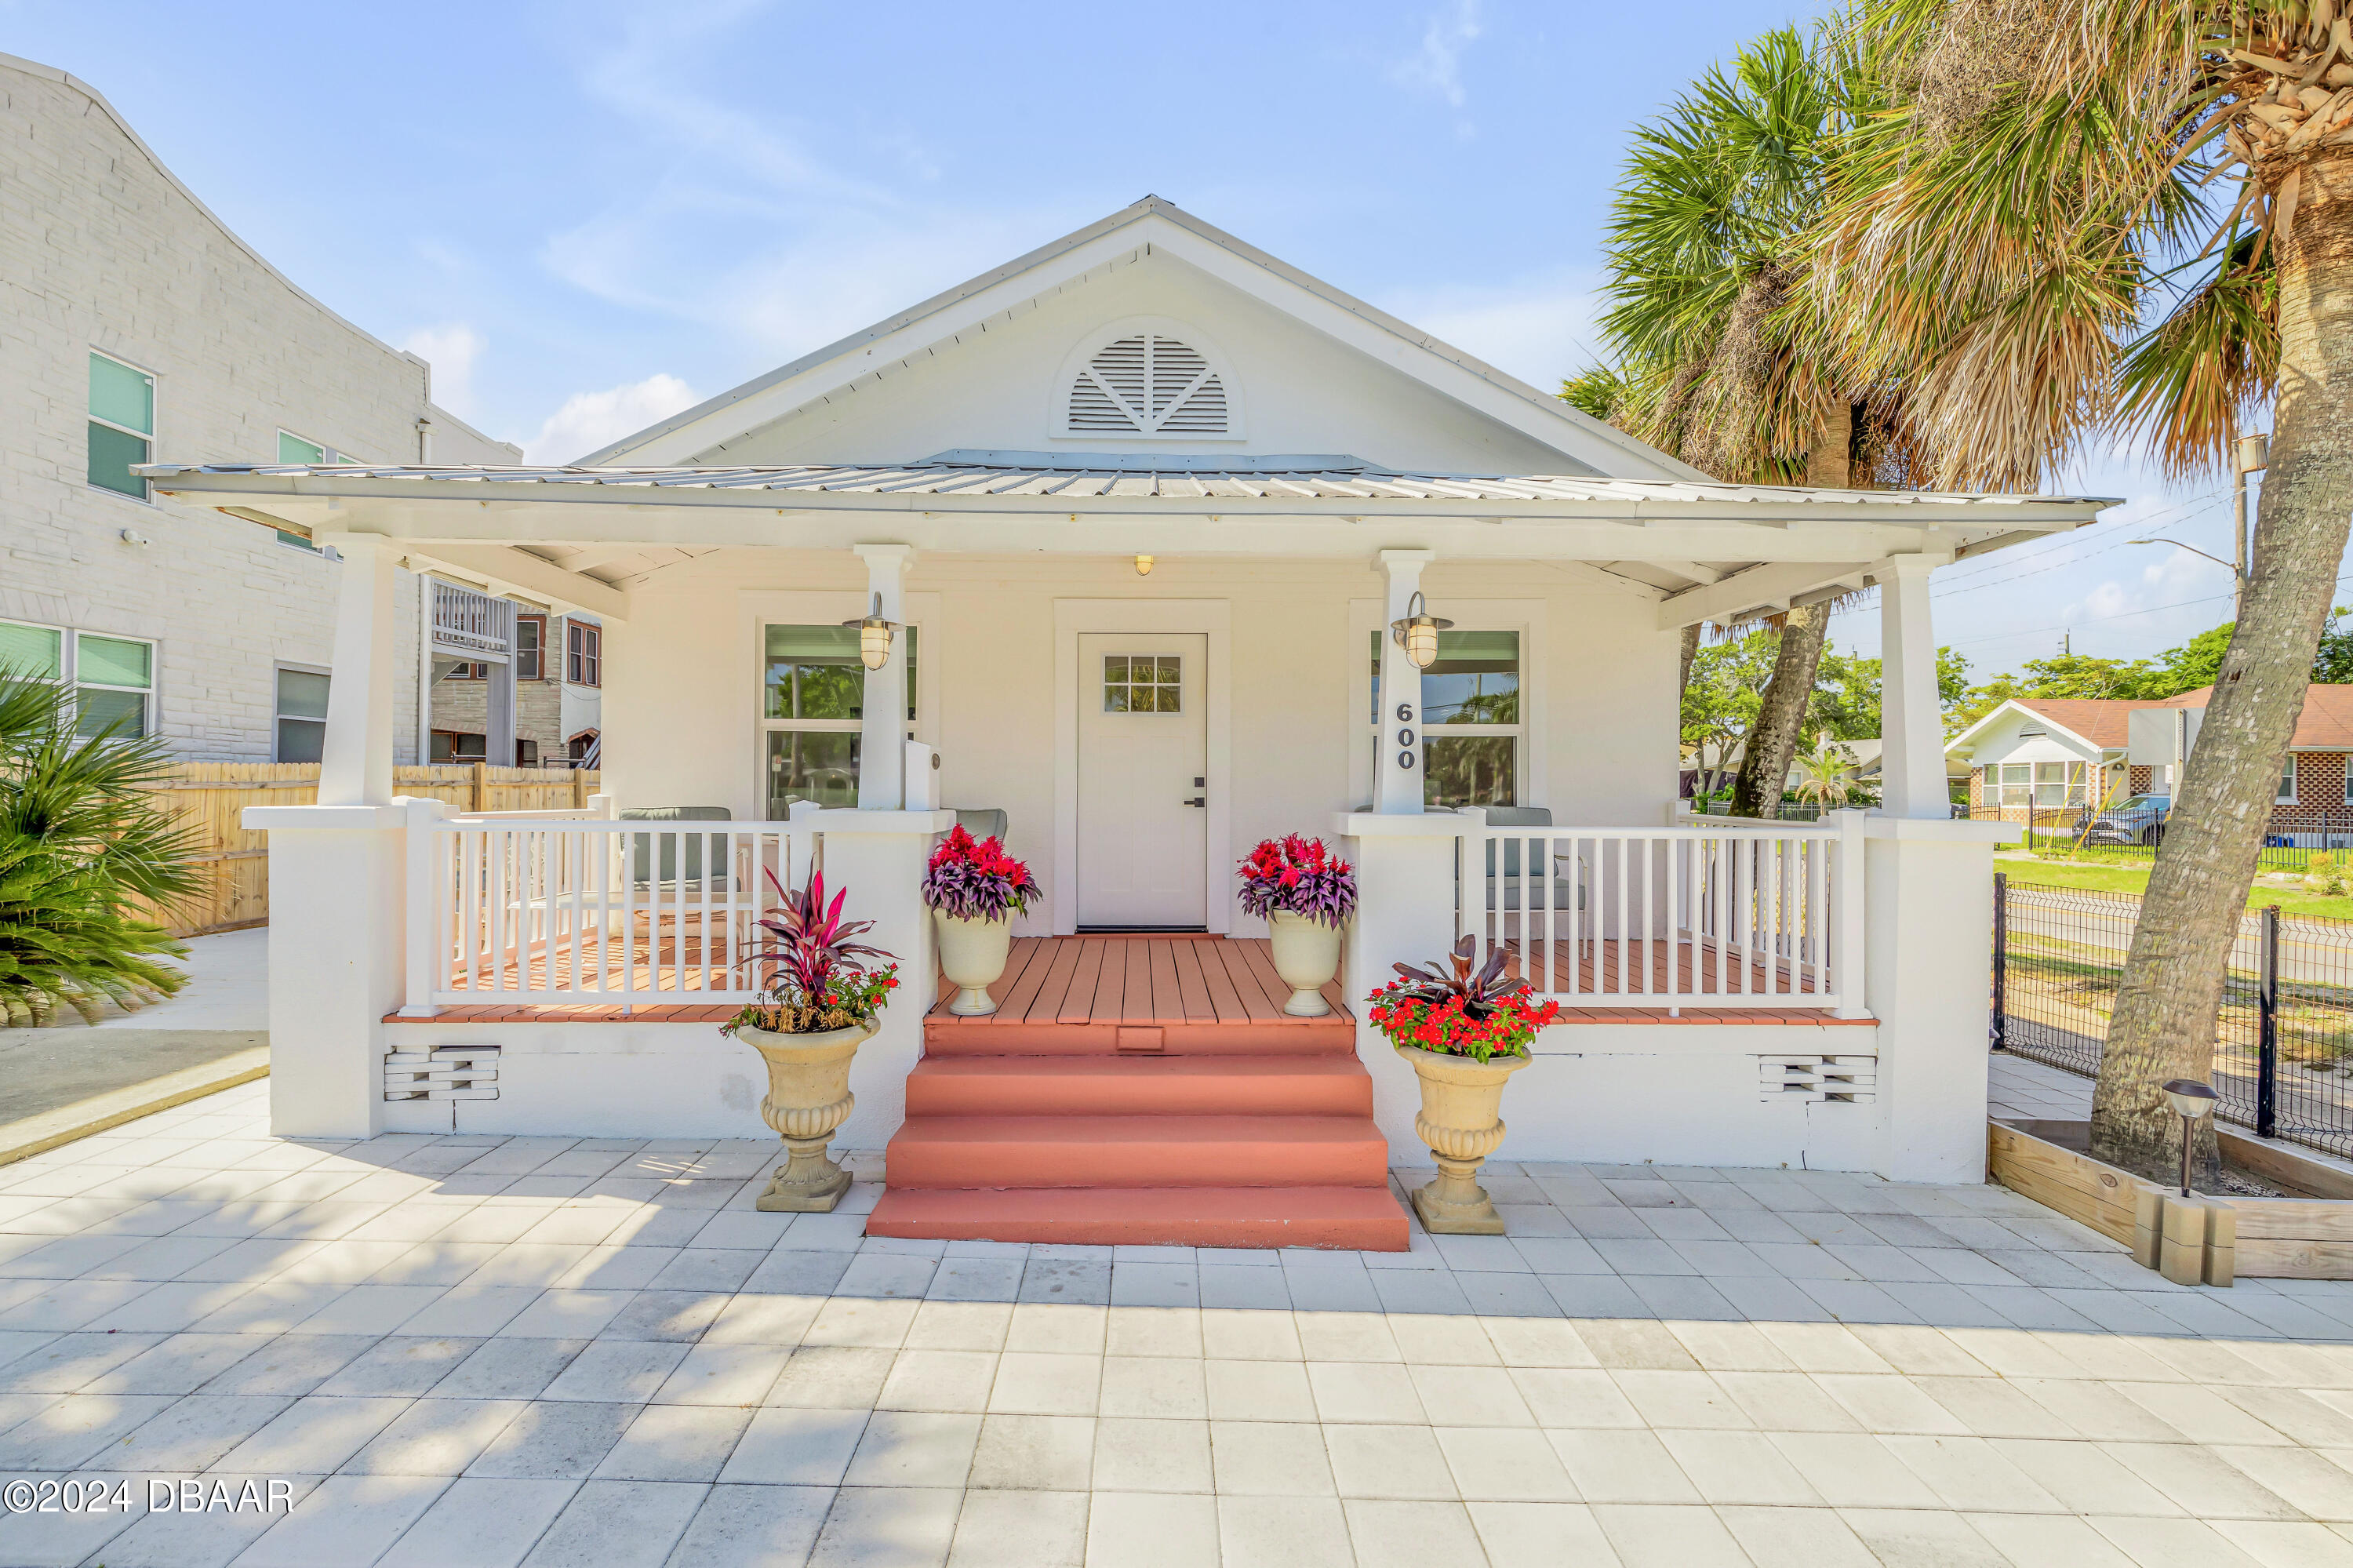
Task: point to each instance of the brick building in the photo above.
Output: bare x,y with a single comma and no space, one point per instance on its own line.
135,328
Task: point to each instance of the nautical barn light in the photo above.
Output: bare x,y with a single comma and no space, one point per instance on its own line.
1418,632
873,637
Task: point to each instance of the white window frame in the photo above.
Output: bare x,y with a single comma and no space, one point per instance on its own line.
1522,616
146,694
277,716
2287,797
65,645
768,726
146,496
590,630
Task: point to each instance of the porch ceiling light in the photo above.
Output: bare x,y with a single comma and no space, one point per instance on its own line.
1144,565
1418,632
873,637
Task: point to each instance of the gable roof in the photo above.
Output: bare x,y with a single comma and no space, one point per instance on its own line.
2324,725
2101,723
1137,229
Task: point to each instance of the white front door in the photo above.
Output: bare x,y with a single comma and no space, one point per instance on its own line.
1142,771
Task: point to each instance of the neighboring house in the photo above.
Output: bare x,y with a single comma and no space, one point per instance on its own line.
1160,546
559,692
138,328
2044,755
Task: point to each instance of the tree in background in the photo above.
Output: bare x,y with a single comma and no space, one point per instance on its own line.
1997,237
2188,668
1717,360
84,847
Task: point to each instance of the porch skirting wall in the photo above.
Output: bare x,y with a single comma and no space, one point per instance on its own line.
1685,1094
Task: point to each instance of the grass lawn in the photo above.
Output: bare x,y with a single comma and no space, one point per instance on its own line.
2291,897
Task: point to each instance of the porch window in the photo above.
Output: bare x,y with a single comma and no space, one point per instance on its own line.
813,702
121,425
1470,718
301,716
2045,785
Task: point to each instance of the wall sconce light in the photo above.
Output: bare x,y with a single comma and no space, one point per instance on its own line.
1418,632
873,637
1144,565
2193,1102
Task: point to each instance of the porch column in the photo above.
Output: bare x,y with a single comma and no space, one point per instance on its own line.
355,765
1398,752
882,731
1912,766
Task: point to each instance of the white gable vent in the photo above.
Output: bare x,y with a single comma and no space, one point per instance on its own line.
1148,384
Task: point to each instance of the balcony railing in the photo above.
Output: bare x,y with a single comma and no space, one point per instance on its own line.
471,625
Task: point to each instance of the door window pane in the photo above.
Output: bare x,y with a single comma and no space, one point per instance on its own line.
1143,683
35,651
811,764
1471,770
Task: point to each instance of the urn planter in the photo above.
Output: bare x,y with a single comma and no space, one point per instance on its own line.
973,955
808,1100
1306,957
1459,1121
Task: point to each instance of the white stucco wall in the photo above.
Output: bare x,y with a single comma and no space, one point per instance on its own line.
1298,390
683,681
101,249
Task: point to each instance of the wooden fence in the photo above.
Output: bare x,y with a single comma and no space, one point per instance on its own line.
210,797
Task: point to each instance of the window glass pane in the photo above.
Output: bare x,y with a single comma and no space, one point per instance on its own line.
1471,770
121,395
99,709
2287,781
811,764
36,650
1475,679
112,455
301,740
301,694
813,672
1143,683
529,630
294,449
112,661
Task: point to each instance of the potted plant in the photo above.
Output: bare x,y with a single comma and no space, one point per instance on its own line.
819,1001
1305,895
974,889
1464,1034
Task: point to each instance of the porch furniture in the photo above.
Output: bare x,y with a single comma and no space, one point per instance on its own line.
983,822
641,855
1566,893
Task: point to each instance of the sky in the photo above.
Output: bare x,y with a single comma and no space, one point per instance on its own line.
588,216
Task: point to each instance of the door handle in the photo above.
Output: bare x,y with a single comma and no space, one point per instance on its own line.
1195,801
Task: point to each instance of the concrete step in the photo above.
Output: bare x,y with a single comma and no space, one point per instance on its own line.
949,1037
1139,1086
1130,1152
1367,1219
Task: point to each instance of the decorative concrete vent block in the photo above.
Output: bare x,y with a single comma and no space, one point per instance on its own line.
1819,1080
444,1073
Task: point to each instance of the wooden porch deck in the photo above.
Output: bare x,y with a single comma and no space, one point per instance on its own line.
1145,980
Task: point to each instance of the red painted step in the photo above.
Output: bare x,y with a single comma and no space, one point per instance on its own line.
1365,1218
1137,1152
1139,1086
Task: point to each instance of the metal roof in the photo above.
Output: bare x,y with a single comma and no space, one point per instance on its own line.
1072,476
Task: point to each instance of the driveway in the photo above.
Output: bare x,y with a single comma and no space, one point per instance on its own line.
549,1351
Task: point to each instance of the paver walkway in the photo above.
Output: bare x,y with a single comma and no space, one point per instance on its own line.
462,1351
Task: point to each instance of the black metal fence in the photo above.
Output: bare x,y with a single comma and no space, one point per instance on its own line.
2313,845
2283,1040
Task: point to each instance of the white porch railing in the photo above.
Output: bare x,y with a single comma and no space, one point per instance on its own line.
557,908
1716,915
469,623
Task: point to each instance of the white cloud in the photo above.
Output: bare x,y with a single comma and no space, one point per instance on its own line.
589,422
1539,328
1436,68
451,349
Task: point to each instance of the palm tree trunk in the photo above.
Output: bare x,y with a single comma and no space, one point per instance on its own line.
1691,652
2163,1026
1773,739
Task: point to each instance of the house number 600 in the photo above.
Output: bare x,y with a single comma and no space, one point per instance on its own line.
1405,737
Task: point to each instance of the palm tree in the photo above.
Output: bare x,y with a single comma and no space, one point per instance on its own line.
84,847
1718,357
1827,777
2038,184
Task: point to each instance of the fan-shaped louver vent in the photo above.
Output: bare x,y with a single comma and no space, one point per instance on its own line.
1150,385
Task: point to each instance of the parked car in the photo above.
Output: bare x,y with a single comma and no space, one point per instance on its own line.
2139,820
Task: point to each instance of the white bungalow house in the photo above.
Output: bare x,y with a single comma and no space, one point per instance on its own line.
1141,506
